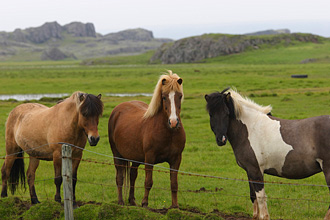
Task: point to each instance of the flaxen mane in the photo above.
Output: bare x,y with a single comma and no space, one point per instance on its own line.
171,84
240,102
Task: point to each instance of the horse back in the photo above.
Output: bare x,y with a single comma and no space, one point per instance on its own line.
23,113
23,123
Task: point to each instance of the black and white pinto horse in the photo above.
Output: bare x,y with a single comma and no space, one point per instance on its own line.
293,149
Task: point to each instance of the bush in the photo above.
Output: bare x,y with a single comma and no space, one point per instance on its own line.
45,210
8,208
87,211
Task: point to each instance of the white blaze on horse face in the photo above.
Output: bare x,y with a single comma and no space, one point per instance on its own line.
173,119
266,140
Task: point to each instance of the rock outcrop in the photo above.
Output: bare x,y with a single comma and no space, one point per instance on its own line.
55,54
195,49
79,40
79,29
137,34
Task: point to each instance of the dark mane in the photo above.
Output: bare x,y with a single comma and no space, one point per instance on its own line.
214,101
92,106
217,99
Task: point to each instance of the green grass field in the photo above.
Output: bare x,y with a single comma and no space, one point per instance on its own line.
226,189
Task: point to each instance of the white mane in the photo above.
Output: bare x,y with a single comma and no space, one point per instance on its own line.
241,102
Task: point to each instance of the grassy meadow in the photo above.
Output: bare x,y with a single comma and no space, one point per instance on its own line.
210,179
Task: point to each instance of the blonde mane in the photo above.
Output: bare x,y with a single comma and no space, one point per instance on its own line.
170,85
240,102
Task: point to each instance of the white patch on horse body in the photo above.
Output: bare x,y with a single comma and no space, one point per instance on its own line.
320,162
266,140
173,115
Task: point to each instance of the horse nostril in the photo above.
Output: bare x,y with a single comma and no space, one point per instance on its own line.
93,140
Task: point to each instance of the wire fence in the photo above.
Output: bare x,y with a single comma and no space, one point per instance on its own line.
213,193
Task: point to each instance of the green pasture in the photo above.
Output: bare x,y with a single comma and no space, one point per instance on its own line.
210,177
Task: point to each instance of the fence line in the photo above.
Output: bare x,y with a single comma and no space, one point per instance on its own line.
167,168
185,173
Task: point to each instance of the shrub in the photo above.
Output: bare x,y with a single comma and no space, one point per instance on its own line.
45,210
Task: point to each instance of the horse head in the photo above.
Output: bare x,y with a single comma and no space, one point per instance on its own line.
167,98
220,108
90,109
171,102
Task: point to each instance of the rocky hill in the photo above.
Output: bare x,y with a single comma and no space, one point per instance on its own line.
195,49
76,40
270,32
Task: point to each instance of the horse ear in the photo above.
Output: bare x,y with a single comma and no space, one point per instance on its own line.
206,97
81,97
180,81
163,81
228,96
99,96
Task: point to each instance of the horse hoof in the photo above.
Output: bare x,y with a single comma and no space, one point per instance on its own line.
174,207
144,205
35,201
132,202
120,202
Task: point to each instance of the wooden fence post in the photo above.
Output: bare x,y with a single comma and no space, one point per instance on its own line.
67,181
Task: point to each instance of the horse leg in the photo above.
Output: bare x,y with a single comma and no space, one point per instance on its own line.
174,182
258,196
326,171
147,184
5,173
75,164
33,165
57,162
133,176
119,164
253,198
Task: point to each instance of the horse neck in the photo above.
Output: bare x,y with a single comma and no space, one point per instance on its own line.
67,113
237,130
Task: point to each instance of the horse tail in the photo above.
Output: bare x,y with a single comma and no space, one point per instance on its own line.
17,173
127,172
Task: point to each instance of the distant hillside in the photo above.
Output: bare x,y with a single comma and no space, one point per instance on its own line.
270,32
76,40
195,49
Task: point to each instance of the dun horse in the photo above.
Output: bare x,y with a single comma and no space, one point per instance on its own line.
37,130
262,143
150,134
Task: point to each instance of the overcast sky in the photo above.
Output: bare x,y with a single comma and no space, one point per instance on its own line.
172,18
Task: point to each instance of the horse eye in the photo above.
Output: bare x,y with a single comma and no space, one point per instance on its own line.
180,97
164,98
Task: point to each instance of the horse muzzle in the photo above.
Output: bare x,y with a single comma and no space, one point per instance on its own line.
93,140
221,140
174,123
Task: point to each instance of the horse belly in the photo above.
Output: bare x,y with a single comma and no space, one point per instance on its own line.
299,166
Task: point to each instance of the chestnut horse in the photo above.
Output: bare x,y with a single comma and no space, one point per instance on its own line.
149,134
37,130
293,149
